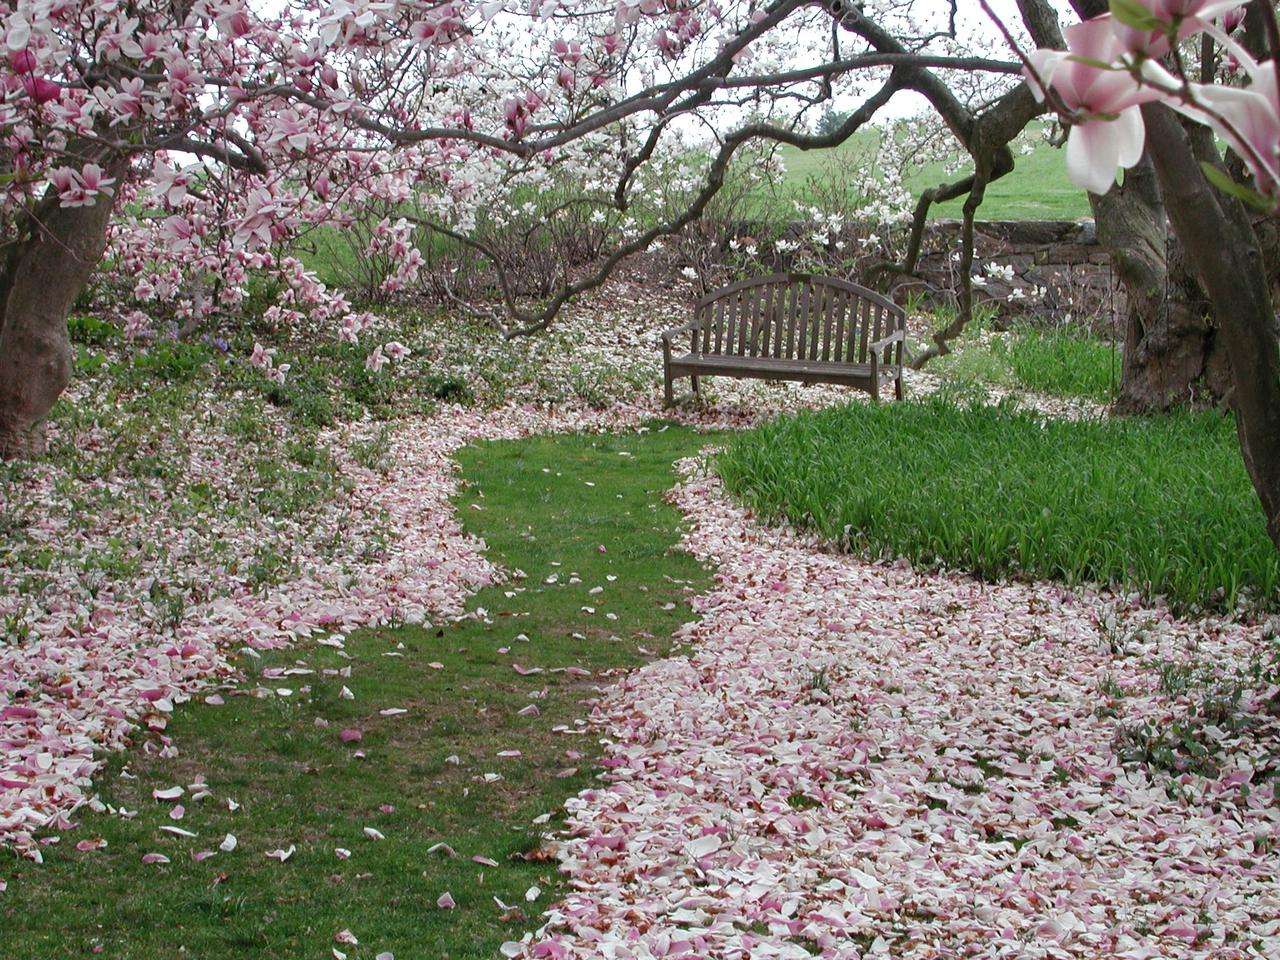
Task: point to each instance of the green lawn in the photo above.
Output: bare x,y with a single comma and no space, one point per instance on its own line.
1037,188
586,510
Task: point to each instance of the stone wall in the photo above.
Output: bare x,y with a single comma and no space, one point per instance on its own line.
1053,271
1058,270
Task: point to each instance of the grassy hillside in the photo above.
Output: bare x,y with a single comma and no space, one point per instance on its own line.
1037,188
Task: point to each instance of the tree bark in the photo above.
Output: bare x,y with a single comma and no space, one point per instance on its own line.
1224,252
1172,352
44,273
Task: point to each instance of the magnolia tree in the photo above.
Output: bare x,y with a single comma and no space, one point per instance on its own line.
219,131
198,141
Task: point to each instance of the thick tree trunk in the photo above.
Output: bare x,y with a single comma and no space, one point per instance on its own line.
39,282
1224,251
1172,352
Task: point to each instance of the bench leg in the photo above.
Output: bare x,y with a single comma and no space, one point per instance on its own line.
697,390
667,399
897,388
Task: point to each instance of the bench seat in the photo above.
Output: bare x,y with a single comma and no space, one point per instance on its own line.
768,368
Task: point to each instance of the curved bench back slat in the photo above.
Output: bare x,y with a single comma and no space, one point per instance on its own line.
794,316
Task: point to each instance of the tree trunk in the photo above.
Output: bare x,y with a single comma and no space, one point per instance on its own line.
1172,353
1224,251
39,282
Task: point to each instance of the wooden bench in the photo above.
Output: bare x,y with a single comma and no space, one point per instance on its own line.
790,326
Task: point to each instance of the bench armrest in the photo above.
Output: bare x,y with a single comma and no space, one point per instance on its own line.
898,336
692,325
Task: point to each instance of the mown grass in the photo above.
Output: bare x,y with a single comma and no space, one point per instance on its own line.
547,507
1036,189
1161,505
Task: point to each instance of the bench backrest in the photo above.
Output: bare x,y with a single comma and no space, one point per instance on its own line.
795,316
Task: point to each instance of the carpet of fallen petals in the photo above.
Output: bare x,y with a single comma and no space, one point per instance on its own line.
101,661
858,760
853,760
105,655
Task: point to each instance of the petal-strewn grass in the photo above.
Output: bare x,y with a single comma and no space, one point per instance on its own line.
1161,505
460,734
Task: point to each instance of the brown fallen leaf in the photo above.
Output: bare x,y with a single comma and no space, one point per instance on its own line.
536,855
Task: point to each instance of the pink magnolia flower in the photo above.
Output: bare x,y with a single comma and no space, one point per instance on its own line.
1176,10
80,188
1108,131
95,179
261,356
177,233
1180,18
375,361
22,61
136,324
1248,119
41,89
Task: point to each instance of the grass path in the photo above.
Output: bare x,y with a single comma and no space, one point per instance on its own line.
585,510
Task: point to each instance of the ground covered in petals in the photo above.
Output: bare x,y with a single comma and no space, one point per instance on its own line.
189,509
855,760
852,759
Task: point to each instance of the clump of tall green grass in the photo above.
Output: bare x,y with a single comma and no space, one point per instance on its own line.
1158,505
1057,363
1063,364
